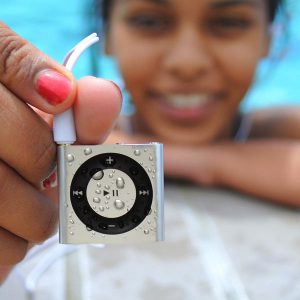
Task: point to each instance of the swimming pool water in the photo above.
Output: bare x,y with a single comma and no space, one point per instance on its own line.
55,26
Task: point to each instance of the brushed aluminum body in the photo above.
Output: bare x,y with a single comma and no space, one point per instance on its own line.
72,229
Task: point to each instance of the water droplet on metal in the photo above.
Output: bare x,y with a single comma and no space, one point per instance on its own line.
71,221
107,207
98,175
114,171
106,202
88,228
93,232
101,208
96,200
70,157
120,183
145,150
98,184
107,187
98,192
87,151
137,152
107,197
71,232
153,176
149,170
111,175
146,231
119,204
149,222
150,157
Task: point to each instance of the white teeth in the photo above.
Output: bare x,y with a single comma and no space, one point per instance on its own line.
187,101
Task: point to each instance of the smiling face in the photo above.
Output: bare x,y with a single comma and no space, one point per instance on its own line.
188,64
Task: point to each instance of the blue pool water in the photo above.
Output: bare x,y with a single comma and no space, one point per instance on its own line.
55,26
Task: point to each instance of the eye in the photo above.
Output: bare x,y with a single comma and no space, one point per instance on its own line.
229,25
149,22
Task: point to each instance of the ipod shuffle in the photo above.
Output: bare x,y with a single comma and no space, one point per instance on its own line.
111,193
107,193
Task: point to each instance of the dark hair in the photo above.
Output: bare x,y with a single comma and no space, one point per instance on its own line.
105,7
274,6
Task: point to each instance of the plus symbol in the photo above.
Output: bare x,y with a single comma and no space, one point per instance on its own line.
109,160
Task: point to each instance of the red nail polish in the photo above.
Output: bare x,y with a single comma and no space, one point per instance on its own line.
53,87
51,181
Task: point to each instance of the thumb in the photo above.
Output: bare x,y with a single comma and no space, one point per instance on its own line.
32,76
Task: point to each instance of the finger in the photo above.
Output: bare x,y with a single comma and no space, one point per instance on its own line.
48,118
4,271
27,141
33,76
24,211
12,249
96,109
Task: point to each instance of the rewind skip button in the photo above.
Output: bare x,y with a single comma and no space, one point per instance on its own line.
77,193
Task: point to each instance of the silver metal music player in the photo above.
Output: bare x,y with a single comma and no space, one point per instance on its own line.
111,193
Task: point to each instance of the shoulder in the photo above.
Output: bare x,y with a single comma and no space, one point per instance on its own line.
278,122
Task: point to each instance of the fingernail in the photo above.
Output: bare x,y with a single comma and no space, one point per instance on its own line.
119,89
50,182
53,86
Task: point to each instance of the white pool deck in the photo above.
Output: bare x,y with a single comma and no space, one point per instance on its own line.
219,245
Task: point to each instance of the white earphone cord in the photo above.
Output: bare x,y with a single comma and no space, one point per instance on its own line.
64,131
